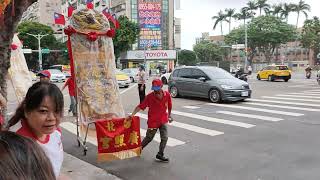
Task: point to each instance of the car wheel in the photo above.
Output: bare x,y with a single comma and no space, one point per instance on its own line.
174,92
126,86
131,79
286,80
215,95
258,77
271,78
164,80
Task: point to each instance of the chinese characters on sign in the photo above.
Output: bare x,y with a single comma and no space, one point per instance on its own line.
149,15
118,138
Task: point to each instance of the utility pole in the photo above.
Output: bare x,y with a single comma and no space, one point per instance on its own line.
39,37
246,47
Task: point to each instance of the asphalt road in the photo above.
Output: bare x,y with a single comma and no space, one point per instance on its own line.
272,136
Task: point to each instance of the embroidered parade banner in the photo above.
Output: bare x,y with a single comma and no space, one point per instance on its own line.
19,73
93,66
118,138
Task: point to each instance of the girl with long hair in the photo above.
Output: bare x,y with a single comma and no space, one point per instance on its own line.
38,117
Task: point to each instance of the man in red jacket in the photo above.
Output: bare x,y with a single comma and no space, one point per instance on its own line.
72,93
158,101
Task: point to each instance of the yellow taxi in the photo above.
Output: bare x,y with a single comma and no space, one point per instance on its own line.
274,72
122,79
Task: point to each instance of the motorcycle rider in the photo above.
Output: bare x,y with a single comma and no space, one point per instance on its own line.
308,71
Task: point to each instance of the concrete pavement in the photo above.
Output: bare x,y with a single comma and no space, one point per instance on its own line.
77,169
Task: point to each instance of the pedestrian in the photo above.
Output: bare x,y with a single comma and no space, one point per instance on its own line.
72,93
159,113
3,103
249,70
141,83
23,159
38,117
45,76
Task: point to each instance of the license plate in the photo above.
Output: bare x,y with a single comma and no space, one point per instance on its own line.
245,93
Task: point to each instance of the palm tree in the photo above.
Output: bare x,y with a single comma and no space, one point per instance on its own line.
301,7
262,5
251,7
219,19
277,9
244,14
286,10
230,13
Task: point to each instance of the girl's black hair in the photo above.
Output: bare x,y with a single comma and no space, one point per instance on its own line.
35,95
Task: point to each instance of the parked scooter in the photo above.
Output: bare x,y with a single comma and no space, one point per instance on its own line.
241,75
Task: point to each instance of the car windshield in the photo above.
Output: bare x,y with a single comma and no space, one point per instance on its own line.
281,68
55,71
119,72
217,73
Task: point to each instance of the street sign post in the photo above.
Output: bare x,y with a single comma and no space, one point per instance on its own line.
238,46
45,51
27,51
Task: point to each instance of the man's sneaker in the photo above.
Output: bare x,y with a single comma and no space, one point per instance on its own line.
162,158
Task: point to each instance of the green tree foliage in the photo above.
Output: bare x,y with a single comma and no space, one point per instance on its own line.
268,33
208,52
126,35
310,35
237,37
49,42
265,34
187,57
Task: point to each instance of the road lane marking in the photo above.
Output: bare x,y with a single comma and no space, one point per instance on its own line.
292,99
310,94
257,109
286,95
215,120
171,141
128,88
189,127
283,102
316,91
72,128
284,107
265,118
191,107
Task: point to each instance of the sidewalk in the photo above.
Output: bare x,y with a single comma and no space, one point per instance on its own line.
76,169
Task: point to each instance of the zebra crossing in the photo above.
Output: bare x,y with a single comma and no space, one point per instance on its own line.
265,109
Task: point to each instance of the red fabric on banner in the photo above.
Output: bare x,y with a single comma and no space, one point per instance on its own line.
118,134
70,11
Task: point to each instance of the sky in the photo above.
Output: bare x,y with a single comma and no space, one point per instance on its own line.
196,16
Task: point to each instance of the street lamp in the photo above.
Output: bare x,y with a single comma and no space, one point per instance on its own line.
39,37
246,46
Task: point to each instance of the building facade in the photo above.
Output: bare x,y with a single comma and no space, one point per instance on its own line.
42,12
291,53
157,30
